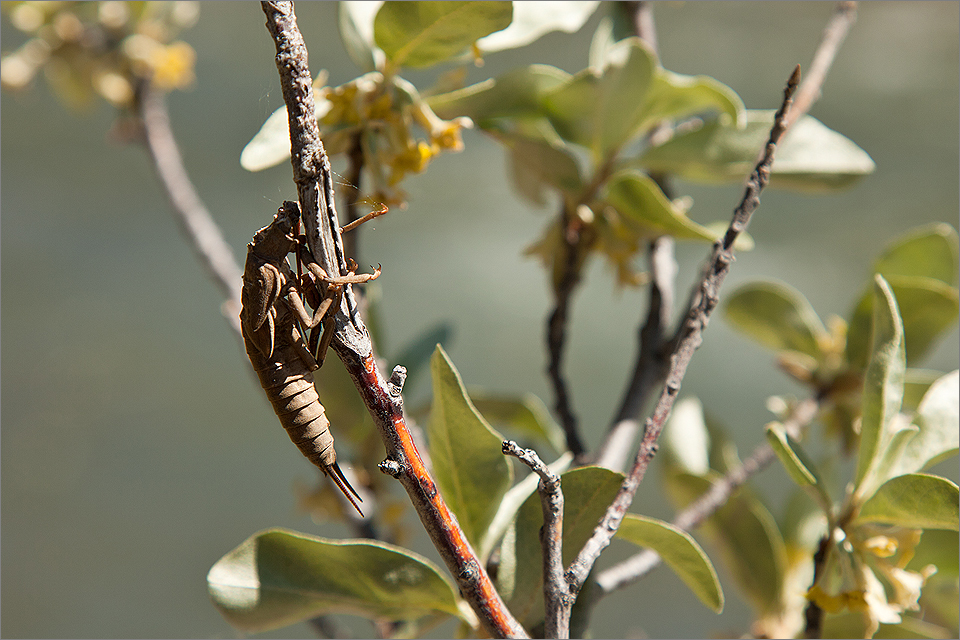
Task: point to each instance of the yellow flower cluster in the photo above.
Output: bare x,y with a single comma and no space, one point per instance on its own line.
382,111
859,561
106,49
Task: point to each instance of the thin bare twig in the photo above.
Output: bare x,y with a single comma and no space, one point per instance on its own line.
692,336
558,603
573,243
194,218
813,615
637,566
845,14
352,343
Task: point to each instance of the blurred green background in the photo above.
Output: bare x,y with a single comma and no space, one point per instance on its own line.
137,448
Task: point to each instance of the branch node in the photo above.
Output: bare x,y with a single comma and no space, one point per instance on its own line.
397,378
391,468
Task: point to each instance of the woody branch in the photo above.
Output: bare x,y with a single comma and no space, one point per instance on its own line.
352,341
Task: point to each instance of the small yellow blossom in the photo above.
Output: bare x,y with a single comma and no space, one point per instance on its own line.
413,160
172,65
881,546
450,137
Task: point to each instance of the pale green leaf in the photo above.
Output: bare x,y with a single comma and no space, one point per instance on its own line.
277,577
270,146
587,492
914,501
685,442
514,94
356,30
681,553
534,19
854,624
794,460
674,97
526,415
921,267
938,424
941,548
916,383
928,307
601,43
746,536
777,316
882,393
601,110
810,158
537,166
928,252
641,202
469,466
420,34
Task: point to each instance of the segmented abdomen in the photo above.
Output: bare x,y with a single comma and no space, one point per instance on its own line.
288,384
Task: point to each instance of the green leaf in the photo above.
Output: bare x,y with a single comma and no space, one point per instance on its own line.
938,424
675,96
641,203
914,501
928,252
587,492
921,267
277,577
681,553
916,383
746,537
420,34
469,466
810,158
881,434
271,145
941,548
525,414
356,30
777,316
514,94
685,442
794,460
928,307
537,165
531,20
601,110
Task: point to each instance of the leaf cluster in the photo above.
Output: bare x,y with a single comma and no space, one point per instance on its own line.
894,420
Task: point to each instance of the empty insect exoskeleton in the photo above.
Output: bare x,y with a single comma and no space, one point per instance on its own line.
270,305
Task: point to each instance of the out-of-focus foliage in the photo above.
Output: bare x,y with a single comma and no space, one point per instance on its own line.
896,421
105,49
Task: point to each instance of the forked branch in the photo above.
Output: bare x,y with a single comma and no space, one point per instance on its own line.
558,602
352,343
809,91
691,336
